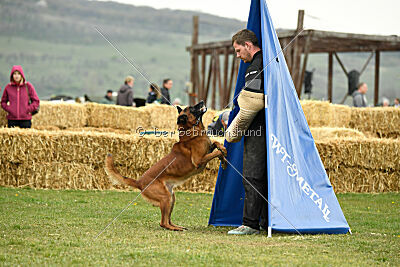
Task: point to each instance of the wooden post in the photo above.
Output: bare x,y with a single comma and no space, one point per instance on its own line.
203,76
233,67
218,75
210,68
330,72
195,38
376,91
214,71
306,52
225,88
287,53
297,51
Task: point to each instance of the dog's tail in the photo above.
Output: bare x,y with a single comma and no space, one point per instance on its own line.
115,176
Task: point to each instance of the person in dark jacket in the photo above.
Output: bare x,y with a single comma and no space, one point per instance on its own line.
108,99
19,99
165,98
125,93
152,96
359,99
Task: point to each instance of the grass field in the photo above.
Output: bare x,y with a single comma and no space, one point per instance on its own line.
46,227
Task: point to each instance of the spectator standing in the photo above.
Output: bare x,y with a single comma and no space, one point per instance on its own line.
167,85
19,99
359,98
397,102
125,93
152,96
108,98
385,102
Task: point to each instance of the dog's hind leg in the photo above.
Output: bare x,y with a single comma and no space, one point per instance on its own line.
166,209
172,207
159,194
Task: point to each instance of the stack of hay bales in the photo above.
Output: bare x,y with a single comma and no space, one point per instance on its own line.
75,160
379,121
53,157
361,164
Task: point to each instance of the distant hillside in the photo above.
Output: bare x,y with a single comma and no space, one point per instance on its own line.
61,52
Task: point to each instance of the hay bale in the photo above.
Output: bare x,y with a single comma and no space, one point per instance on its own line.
61,115
363,153
161,116
383,122
340,116
323,133
117,117
345,179
317,113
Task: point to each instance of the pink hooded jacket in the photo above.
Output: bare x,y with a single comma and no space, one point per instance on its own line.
15,99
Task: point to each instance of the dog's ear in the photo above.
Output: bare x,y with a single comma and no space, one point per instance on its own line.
199,105
179,109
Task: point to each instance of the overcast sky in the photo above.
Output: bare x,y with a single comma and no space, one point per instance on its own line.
357,16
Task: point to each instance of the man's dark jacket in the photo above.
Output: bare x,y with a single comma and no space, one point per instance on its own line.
165,99
125,96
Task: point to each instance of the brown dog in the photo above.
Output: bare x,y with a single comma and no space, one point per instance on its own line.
189,156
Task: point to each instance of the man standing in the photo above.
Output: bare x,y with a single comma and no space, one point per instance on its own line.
108,99
359,99
125,93
251,117
167,85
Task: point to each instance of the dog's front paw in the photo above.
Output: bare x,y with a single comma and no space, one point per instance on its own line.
224,163
223,151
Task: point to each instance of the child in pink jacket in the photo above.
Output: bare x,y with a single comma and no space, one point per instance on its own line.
16,101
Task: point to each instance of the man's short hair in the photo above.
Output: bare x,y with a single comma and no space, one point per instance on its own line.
245,35
166,80
109,91
360,84
129,79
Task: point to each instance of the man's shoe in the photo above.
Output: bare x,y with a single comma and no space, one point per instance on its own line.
244,230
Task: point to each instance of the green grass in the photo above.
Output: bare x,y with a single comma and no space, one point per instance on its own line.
46,227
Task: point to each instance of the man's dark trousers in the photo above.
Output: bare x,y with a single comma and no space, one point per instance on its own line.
255,172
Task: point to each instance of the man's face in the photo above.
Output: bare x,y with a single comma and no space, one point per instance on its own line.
168,84
364,88
109,94
396,101
242,52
